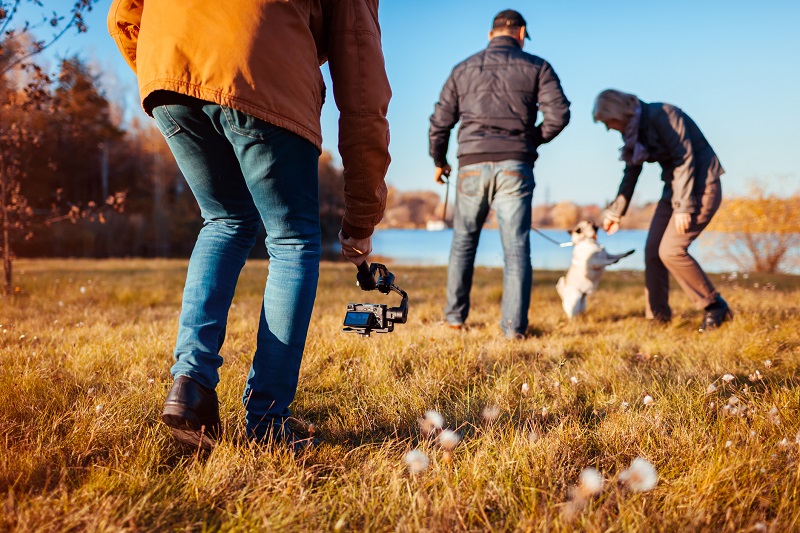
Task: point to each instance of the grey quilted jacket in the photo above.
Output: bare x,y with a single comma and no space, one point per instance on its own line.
496,95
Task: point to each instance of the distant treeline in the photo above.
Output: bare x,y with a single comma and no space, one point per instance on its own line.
85,152
414,209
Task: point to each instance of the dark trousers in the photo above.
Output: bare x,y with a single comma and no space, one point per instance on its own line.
666,252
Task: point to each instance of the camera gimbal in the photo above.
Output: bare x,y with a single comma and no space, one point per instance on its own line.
379,318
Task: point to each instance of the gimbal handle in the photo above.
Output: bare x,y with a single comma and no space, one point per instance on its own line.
384,284
365,278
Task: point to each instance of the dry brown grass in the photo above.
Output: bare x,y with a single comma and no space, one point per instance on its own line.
83,375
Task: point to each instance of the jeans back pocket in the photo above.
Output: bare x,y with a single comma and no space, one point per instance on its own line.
164,121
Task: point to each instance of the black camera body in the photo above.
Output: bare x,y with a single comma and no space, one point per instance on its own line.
366,318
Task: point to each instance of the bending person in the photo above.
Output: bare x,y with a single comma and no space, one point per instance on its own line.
663,133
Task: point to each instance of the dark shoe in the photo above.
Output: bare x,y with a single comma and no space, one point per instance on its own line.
715,315
192,413
281,435
661,320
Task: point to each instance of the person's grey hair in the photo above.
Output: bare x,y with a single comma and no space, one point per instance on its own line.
613,104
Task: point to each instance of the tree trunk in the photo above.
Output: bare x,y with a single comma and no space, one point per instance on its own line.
6,237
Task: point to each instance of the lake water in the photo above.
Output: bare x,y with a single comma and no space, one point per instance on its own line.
422,247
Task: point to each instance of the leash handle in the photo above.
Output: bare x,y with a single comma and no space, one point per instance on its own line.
446,196
561,244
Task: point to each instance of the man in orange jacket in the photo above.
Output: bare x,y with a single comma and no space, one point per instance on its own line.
237,93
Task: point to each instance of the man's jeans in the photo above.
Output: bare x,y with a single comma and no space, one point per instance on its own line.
245,172
508,187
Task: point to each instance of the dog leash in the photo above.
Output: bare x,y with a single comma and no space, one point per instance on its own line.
561,244
446,194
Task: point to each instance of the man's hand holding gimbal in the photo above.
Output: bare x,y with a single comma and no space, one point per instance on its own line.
355,250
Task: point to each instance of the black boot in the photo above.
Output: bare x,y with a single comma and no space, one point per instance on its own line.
715,315
192,412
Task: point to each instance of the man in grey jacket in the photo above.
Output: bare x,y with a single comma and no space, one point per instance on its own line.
496,95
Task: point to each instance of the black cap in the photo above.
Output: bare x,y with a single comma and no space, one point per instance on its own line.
510,19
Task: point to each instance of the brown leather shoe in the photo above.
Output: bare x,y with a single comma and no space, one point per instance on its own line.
192,413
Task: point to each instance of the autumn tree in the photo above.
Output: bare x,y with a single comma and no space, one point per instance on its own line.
565,215
25,97
759,232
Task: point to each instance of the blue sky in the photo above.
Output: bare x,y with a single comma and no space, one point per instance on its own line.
733,65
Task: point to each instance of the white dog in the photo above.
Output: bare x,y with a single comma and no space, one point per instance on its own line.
589,260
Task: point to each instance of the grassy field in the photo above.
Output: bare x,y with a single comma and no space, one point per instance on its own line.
85,348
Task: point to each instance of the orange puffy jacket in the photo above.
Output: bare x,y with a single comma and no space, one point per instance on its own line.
263,57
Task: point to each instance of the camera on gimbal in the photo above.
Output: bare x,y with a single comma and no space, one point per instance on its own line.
379,318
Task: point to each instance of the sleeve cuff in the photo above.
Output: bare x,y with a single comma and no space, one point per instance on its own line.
683,207
355,231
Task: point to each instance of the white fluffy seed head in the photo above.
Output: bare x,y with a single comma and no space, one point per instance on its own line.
490,413
574,380
590,483
711,388
449,439
768,364
525,388
648,400
641,476
435,418
727,378
417,461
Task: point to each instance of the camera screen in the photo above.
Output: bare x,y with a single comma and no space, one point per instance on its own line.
357,319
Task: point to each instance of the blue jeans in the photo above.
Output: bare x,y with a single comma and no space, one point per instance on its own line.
245,172
508,187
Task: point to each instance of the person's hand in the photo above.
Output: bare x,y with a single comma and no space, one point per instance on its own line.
355,250
682,222
442,171
610,223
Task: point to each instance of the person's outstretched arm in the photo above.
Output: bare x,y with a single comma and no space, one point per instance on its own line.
614,213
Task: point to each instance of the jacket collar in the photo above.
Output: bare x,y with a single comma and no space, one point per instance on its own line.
503,40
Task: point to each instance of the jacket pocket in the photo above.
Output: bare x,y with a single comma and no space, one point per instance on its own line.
249,126
164,121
